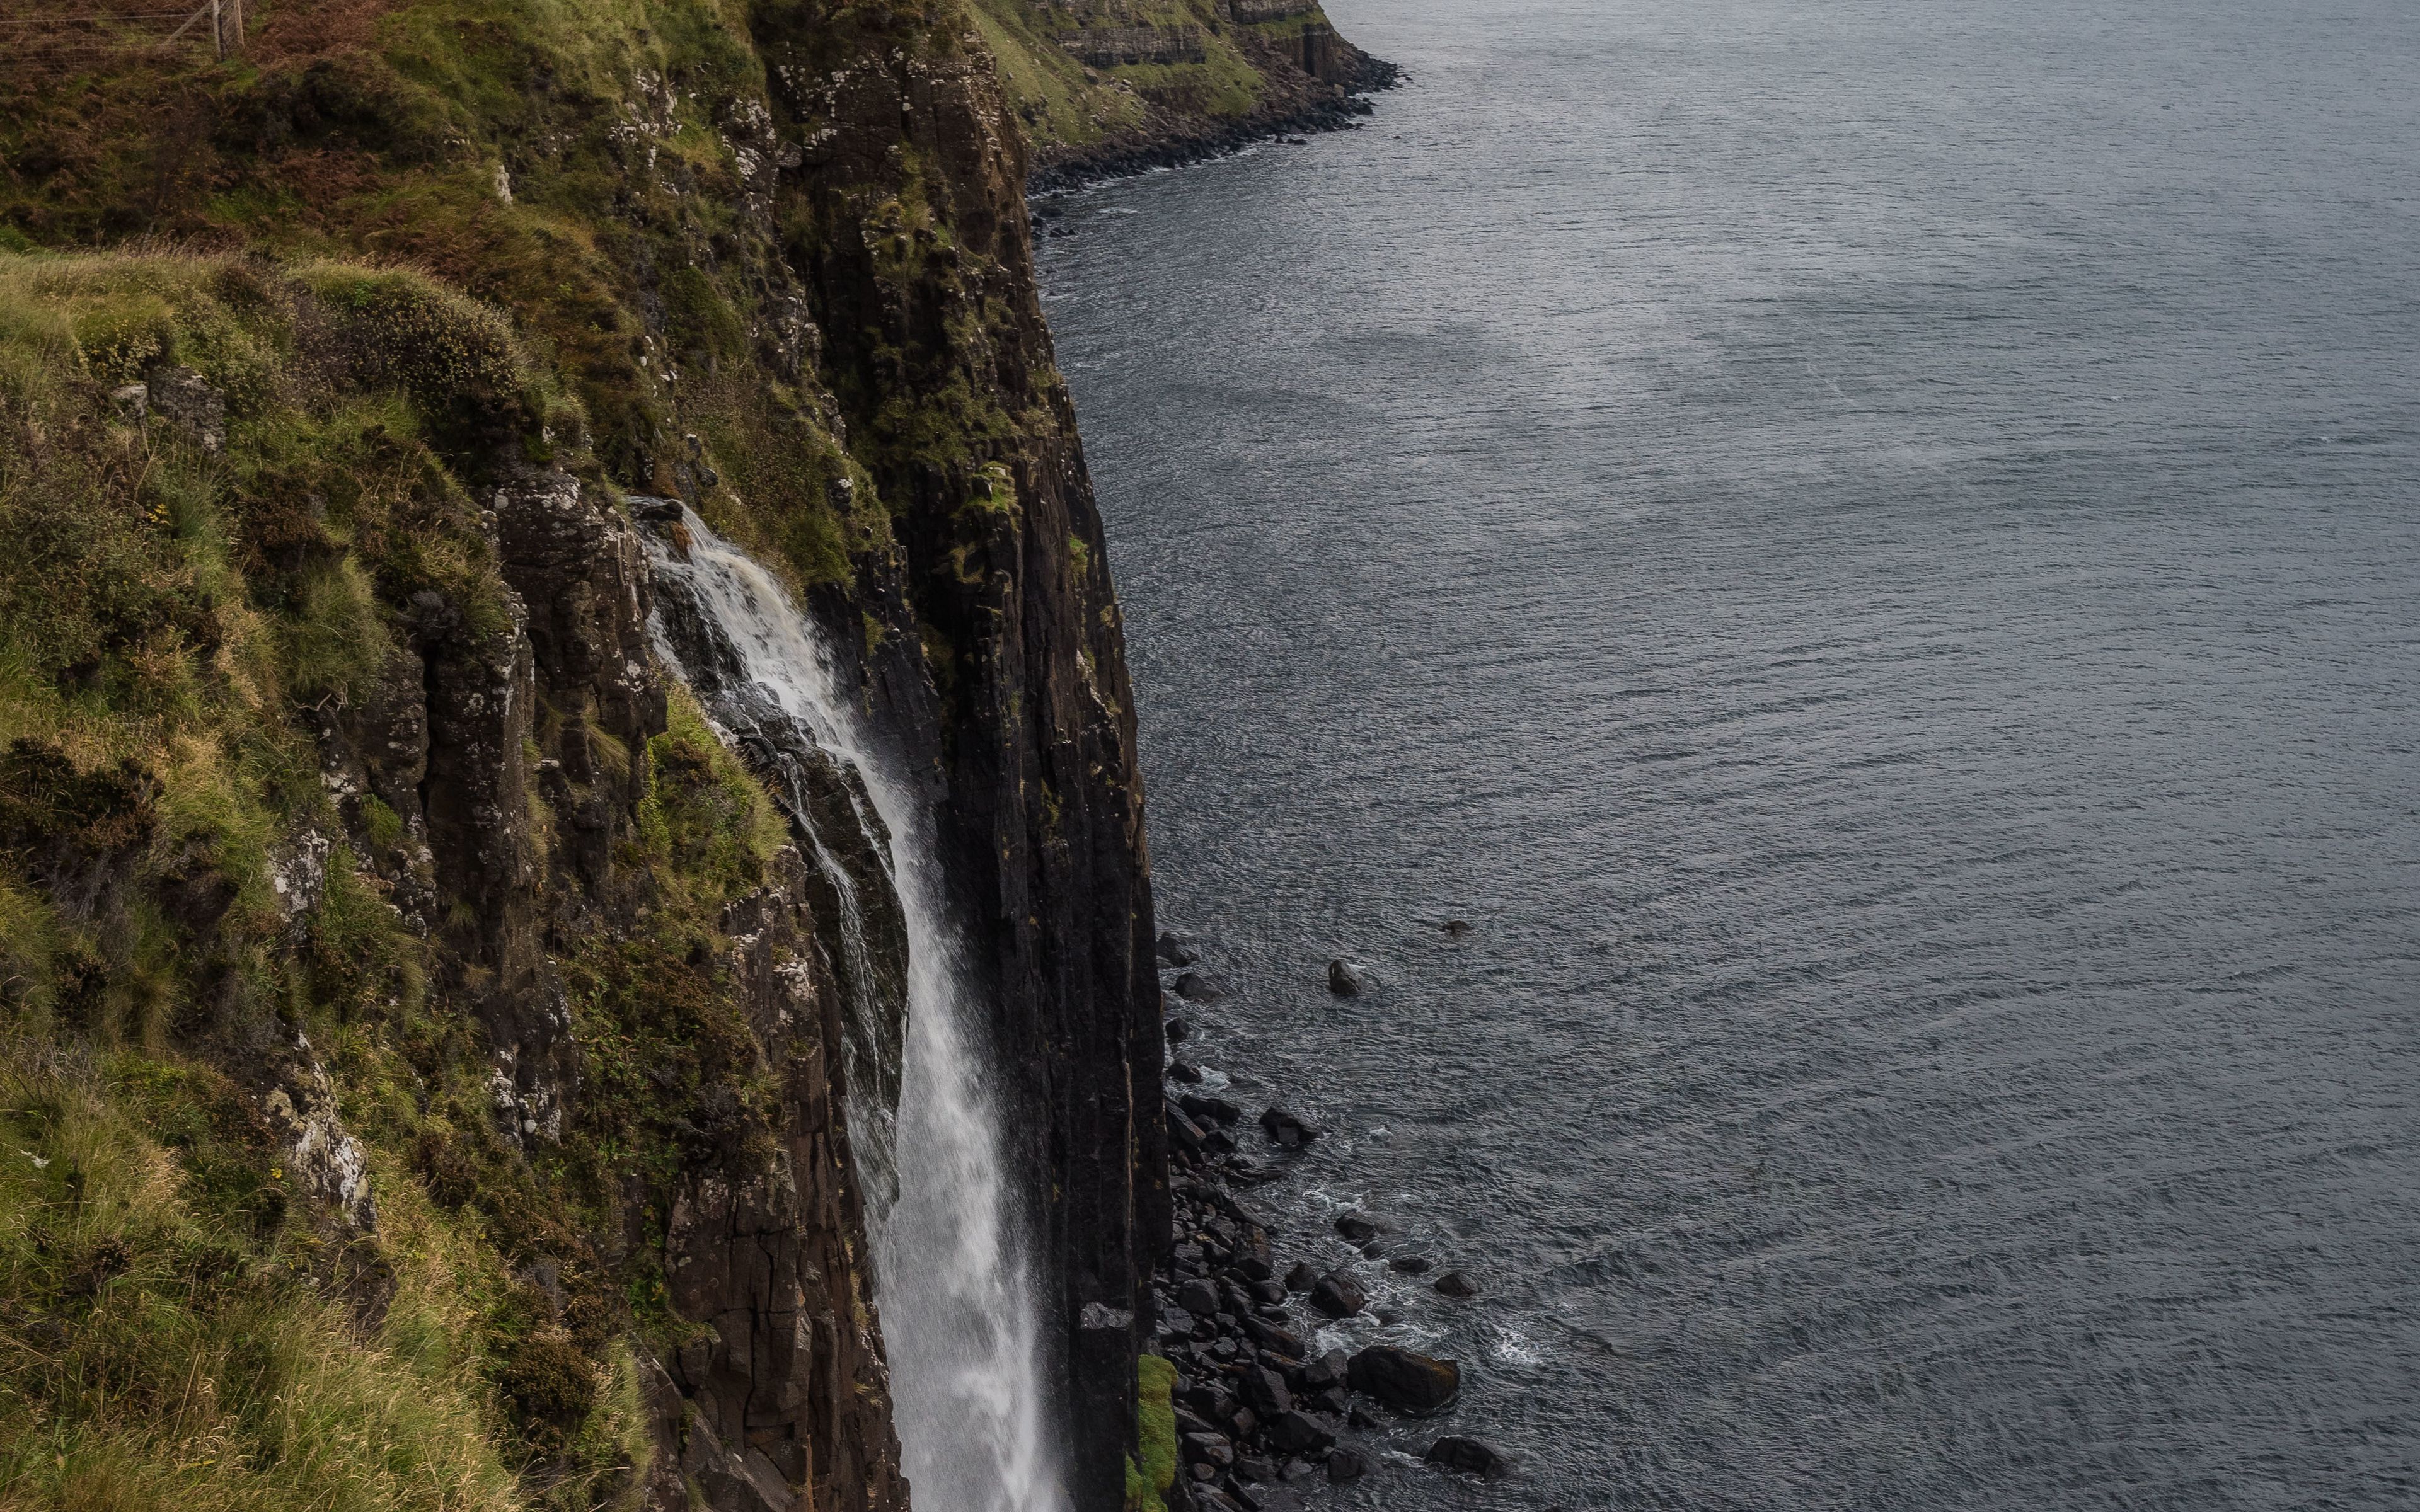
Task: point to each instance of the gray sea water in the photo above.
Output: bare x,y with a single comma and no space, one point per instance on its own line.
1871,549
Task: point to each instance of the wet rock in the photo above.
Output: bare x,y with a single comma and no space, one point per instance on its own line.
1200,1298
1272,1292
1346,1464
1456,927
1356,1230
1456,1284
1265,1391
1183,1132
1185,1071
1373,1252
1270,1336
1288,1130
1177,950
1299,1432
1407,1382
1388,1316
1409,1264
1177,1030
1338,1294
1209,1109
1346,979
1199,987
1327,1371
1209,1449
1252,1467
1467,1456
1302,1277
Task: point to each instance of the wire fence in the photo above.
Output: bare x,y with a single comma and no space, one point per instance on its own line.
49,39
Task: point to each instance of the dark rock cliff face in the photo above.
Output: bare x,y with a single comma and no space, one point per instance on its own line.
1024,705
781,266
763,1242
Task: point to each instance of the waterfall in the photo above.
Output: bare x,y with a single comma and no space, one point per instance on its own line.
954,1278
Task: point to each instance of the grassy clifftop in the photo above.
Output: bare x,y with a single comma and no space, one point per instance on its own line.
1102,84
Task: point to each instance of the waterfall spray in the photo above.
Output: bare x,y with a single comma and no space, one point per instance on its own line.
953,1270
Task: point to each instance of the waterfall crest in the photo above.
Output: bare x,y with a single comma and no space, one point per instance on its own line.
953,1275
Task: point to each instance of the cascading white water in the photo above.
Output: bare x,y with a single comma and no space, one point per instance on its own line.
953,1273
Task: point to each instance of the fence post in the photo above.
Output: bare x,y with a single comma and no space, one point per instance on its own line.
238,27
218,33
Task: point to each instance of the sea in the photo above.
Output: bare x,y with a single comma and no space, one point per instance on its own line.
1869,552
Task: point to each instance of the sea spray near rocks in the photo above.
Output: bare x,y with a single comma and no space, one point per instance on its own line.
953,1272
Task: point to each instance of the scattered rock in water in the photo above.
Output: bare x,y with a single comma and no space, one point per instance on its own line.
1185,1071
1183,1132
1468,1455
1177,1030
1299,1432
1203,1107
1456,927
1329,1370
1404,1380
1288,1129
1456,1284
1346,979
1338,1294
1373,1252
1302,1277
1388,1316
1409,1264
1345,1463
1178,950
1198,987
1356,1230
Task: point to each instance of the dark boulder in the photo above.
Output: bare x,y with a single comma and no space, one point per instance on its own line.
1327,1371
1185,1071
1409,1264
1299,1432
1209,1109
1346,979
1346,1464
1176,950
1265,1391
1355,1228
1456,1284
1177,1030
1288,1129
1403,1381
1338,1294
1200,1298
1468,1455
1209,1449
1199,987
1302,1277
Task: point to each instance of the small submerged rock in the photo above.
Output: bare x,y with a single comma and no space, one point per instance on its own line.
1409,1264
1289,1130
1468,1455
1355,1228
1456,1284
1404,1380
1185,1071
1178,950
1199,987
1346,979
1346,1464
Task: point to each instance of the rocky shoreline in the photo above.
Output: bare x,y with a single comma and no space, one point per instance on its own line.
1258,1409
1179,143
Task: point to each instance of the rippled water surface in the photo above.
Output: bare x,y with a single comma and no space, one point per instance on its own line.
1871,549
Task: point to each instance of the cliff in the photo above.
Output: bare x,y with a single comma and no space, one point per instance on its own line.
422,1035
1107,87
